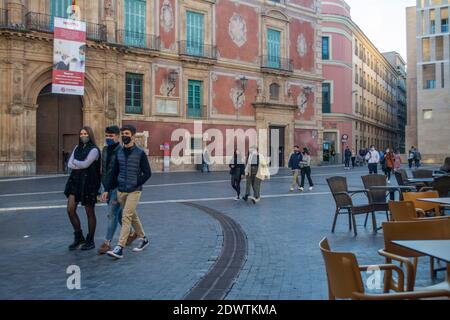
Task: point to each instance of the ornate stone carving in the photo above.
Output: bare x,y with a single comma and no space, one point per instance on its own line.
16,109
237,29
166,16
214,76
111,113
109,10
237,96
302,47
165,88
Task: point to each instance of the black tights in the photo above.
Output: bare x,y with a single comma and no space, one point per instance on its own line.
75,220
236,183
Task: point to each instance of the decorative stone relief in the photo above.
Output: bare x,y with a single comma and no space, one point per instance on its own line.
237,29
166,16
15,109
164,89
237,96
111,113
302,47
109,11
214,76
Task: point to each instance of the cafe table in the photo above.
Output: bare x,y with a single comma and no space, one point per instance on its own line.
439,249
442,201
393,189
421,180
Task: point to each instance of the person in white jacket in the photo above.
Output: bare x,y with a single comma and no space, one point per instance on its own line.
373,158
256,171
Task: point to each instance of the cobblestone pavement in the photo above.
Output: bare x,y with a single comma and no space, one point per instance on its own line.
283,231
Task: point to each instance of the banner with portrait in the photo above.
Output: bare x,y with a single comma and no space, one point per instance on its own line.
69,56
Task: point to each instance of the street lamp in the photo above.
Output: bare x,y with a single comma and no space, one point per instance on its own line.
172,80
307,91
243,81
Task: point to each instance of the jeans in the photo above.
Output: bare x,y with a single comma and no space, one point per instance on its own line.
236,183
347,162
373,168
353,161
114,215
307,171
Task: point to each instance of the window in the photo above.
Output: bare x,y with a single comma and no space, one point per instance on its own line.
428,114
194,99
326,97
274,89
195,33
325,48
429,76
432,21
273,48
133,93
444,20
440,48
58,8
356,47
135,16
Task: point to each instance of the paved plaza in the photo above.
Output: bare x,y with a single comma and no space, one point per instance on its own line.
202,243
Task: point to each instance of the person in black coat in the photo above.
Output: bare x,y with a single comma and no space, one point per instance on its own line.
237,170
83,186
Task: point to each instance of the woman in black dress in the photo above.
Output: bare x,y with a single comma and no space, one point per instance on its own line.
83,186
237,169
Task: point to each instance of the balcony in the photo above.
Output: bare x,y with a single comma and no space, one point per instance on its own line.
273,63
197,50
138,40
196,111
42,22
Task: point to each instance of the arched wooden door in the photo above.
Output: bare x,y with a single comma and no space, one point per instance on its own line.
58,121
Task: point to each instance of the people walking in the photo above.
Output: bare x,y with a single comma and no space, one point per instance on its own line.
411,156
373,158
109,156
305,165
347,157
132,170
353,158
294,165
389,164
256,171
397,160
205,161
83,186
417,158
237,170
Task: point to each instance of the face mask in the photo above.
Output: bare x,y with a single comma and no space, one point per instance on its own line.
110,142
84,139
126,139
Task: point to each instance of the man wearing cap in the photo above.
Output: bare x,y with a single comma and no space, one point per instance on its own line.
132,171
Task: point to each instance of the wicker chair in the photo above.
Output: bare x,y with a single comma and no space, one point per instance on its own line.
402,179
422,173
377,198
345,281
441,185
446,166
344,203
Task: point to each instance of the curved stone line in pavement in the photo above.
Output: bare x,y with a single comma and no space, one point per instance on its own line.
219,280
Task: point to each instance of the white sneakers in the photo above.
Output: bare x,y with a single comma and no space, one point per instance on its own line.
311,188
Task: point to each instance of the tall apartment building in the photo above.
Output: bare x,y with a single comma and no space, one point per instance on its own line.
359,94
428,48
160,65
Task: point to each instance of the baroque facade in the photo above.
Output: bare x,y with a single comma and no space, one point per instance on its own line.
160,65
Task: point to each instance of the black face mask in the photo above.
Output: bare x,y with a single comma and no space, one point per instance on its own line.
126,139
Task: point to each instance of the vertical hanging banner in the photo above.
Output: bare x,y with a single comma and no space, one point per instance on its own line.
69,56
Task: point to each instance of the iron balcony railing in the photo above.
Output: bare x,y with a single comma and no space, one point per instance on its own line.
196,111
3,18
277,63
138,40
195,49
45,23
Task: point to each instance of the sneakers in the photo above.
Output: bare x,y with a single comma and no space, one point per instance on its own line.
245,198
292,190
237,198
142,245
131,237
311,188
78,241
104,248
255,200
301,189
116,253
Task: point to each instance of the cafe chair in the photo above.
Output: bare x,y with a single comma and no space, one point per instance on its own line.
344,203
377,198
441,185
345,281
422,173
427,207
429,229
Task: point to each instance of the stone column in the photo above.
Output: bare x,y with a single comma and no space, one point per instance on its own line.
15,13
109,20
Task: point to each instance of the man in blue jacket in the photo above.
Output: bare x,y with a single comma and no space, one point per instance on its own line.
294,165
132,171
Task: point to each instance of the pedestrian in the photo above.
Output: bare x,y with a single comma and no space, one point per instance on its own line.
347,157
83,186
382,162
411,156
353,158
294,164
389,164
205,161
109,156
237,170
333,155
417,158
306,169
373,158
256,171
132,170
397,160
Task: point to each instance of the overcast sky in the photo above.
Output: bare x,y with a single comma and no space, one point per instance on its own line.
383,21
